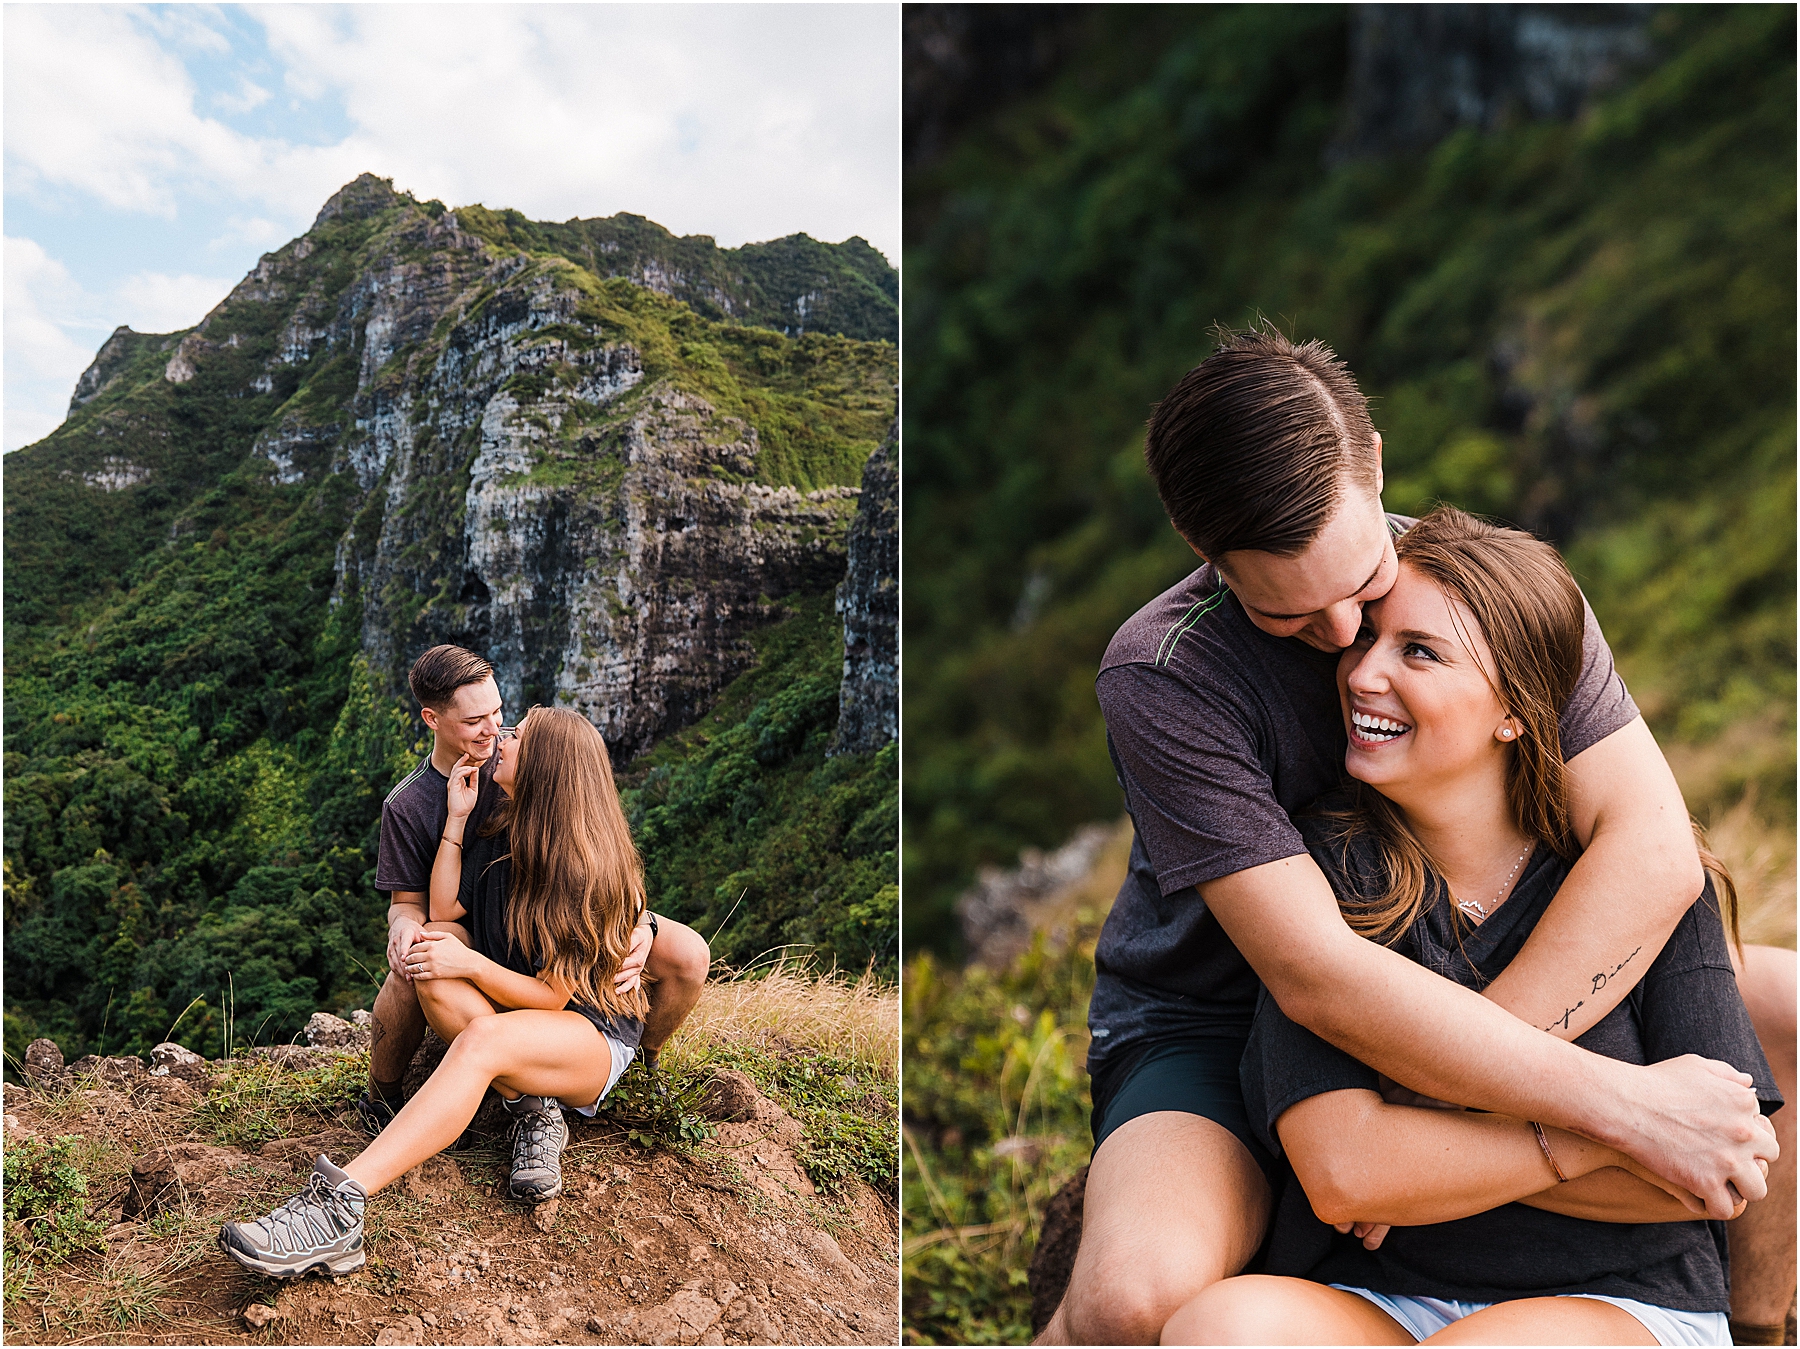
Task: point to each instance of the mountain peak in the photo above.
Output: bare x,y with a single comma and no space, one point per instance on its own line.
364,196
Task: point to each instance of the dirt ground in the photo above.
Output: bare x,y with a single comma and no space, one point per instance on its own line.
726,1244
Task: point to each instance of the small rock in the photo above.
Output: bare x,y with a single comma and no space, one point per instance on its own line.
732,1098
698,1253
164,1178
43,1061
428,1319
288,1056
408,1331
325,1031
256,1315
125,1071
173,1060
596,1326
543,1217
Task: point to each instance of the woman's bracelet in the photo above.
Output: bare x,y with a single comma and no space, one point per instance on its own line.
1544,1143
453,842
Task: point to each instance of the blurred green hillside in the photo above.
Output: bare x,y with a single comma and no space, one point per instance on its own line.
1585,327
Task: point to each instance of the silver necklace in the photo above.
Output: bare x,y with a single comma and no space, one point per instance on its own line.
1473,907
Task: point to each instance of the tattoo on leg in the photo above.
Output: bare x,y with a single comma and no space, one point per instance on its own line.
376,1031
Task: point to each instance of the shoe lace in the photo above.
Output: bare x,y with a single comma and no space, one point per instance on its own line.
534,1140
317,1215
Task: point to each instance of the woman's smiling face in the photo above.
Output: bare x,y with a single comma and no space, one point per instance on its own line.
506,758
1415,691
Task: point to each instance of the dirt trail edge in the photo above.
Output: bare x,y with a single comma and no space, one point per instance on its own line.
726,1243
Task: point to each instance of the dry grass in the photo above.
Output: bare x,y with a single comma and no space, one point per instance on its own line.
857,1019
1760,855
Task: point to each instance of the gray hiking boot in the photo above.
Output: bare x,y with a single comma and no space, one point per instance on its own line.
539,1134
319,1228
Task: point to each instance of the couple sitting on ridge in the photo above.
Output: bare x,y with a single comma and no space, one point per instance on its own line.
1401,838
518,930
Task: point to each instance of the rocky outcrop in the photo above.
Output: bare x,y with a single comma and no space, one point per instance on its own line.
869,603
529,463
1418,72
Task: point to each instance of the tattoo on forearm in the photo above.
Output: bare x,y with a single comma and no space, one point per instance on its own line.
1600,981
1563,1020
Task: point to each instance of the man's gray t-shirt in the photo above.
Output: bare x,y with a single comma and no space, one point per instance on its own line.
1219,734
412,821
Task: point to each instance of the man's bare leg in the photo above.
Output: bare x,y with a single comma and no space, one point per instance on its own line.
1762,1241
679,960
397,1028
1174,1203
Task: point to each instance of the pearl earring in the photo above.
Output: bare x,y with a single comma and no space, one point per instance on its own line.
1506,733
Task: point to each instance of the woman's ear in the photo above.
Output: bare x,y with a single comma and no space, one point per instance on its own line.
1508,730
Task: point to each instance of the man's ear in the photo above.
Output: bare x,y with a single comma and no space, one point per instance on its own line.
430,717
1378,474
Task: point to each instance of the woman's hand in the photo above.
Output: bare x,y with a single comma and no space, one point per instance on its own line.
1370,1234
439,955
631,971
463,789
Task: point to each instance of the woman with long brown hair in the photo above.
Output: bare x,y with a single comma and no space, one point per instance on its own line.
1413,1221
553,884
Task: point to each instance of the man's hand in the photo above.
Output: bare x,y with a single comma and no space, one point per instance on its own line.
1699,1127
402,933
631,971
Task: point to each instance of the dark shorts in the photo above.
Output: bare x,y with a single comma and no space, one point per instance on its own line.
1197,1075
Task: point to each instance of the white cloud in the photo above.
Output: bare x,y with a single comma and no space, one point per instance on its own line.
43,360
154,302
54,326
742,121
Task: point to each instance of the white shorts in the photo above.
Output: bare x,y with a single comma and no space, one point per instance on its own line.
622,1055
1423,1316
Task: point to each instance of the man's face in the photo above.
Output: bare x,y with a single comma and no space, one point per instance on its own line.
1319,595
469,720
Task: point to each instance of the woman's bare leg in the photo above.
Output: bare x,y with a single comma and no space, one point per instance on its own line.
451,1004
521,1053
1547,1320
1264,1309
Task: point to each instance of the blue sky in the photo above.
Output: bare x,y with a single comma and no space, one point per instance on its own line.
153,153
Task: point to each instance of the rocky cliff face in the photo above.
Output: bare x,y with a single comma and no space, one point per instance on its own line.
1418,72
869,602
576,474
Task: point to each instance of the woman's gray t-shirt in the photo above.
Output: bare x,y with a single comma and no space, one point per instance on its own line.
1686,1002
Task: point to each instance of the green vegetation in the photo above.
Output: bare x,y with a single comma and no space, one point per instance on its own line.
754,835
46,1204
1583,327
996,1123
258,1098
196,750
792,285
